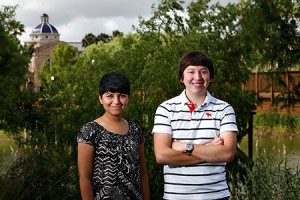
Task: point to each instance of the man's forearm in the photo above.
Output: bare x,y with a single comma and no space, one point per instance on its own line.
176,158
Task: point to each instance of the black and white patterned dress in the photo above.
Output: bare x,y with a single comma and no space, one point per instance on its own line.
116,173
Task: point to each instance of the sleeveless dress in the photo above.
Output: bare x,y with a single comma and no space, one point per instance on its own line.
116,173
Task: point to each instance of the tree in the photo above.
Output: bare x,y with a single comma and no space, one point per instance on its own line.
46,164
271,31
116,33
14,59
104,38
167,21
88,40
274,26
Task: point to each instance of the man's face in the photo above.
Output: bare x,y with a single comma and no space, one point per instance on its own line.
196,79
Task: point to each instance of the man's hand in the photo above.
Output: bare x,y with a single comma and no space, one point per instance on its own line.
179,146
216,141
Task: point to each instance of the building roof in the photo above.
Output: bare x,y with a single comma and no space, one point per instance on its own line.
78,45
44,26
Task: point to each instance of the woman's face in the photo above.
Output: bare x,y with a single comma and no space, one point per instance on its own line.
114,103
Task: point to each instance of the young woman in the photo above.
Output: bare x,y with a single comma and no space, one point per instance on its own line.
111,159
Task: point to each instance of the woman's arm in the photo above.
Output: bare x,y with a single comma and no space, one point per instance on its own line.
144,174
85,168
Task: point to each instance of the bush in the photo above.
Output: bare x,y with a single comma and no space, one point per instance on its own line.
267,178
41,174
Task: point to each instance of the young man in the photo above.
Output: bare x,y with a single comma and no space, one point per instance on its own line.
195,135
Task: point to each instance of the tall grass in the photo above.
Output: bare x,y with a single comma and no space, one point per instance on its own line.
8,152
267,178
40,173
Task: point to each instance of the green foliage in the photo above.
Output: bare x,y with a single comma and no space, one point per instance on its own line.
155,171
63,56
41,173
90,38
13,67
166,20
273,29
268,180
11,26
270,124
47,167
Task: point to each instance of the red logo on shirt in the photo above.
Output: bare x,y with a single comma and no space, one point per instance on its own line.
208,114
191,107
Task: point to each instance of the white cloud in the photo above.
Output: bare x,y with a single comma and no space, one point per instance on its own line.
73,19
111,25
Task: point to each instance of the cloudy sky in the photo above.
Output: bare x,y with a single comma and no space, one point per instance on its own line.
75,18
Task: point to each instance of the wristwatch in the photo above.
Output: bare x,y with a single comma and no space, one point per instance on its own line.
189,148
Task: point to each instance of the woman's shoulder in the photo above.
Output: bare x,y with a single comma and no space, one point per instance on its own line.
90,128
89,132
135,126
89,125
136,130
134,123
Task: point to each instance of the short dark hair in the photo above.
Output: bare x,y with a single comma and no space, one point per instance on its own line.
114,82
195,58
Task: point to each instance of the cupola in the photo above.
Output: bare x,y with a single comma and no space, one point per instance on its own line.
44,32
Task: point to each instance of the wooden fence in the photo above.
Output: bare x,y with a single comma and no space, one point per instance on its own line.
276,95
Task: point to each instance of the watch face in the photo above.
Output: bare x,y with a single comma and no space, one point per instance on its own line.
188,147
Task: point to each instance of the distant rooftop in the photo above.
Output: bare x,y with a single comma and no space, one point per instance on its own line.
78,45
44,26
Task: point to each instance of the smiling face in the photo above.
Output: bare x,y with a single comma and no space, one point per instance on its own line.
196,80
115,103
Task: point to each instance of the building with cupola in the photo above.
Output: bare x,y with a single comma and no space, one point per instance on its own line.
44,38
44,32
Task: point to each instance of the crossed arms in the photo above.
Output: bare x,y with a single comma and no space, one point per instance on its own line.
220,149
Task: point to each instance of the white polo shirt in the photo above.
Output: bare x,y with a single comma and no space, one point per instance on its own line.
212,118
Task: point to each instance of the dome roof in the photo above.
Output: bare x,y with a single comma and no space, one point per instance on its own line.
44,26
